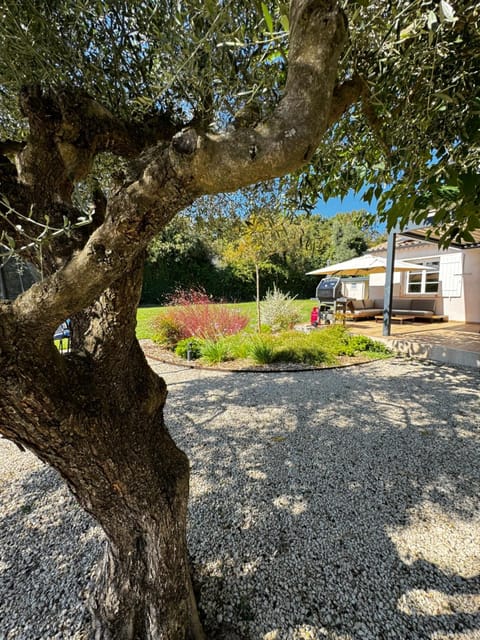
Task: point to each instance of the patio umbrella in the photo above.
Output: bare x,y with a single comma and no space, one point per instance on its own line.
364,265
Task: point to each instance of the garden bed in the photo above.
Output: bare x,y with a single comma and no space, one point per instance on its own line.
161,354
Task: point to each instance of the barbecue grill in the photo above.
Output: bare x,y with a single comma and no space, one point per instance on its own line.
329,289
330,300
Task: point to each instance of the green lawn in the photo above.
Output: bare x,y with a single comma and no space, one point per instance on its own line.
145,315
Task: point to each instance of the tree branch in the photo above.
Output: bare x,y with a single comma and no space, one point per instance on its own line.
218,163
344,95
8,147
80,128
174,175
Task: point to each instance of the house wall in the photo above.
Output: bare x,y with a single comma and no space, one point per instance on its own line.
355,288
471,275
459,294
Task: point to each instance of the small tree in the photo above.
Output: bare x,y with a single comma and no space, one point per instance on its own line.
257,242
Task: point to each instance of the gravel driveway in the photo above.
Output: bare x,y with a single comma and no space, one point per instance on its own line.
339,504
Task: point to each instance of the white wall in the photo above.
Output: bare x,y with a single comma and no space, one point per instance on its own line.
355,289
471,282
377,284
459,292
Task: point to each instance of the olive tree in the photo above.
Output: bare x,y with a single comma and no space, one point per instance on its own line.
115,116
96,415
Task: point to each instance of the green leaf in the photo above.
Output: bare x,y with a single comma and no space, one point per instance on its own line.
285,22
447,12
408,31
267,17
445,97
432,20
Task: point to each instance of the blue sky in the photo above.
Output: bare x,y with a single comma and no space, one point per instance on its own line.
351,202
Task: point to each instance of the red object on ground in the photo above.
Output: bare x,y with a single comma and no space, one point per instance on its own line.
314,316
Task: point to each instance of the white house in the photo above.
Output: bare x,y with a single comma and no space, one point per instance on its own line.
452,279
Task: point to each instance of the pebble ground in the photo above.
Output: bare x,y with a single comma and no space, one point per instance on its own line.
334,504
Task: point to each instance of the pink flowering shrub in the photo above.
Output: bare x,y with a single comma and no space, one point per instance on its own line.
207,321
184,297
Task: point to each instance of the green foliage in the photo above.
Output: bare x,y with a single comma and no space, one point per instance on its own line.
339,341
145,57
183,256
239,345
316,348
258,239
189,348
167,330
412,143
193,250
262,350
348,239
215,351
364,344
278,310
294,346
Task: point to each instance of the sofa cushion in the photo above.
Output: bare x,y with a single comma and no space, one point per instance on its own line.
423,304
405,304
368,303
378,303
420,312
361,313
357,305
402,312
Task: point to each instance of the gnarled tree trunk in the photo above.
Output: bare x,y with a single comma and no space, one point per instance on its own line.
111,445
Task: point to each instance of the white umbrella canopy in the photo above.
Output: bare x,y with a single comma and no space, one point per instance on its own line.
364,265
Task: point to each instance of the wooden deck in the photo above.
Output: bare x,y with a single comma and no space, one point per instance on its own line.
450,342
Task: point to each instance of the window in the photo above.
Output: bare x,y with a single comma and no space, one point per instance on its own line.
424,281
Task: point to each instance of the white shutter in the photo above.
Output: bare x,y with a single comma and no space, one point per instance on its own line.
451,275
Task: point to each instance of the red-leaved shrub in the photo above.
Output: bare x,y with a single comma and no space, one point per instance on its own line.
210,321
183,297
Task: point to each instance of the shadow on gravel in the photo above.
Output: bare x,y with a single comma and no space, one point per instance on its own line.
47,545
334,504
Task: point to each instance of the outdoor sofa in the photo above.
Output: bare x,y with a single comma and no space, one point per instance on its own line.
419,308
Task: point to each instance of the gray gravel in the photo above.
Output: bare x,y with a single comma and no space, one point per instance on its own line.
336,504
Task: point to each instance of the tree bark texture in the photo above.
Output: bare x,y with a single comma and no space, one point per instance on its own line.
96,414
98,419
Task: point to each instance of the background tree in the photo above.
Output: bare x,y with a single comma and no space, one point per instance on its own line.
179,258
115,116
348,239
258,239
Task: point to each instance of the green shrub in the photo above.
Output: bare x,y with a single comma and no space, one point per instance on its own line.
167,330
278,311
302,348
364,344
239,345
215,351
315,348
337,340
262,350
194,345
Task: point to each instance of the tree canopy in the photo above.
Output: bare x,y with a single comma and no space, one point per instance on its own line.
114,117
412,141
409,136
